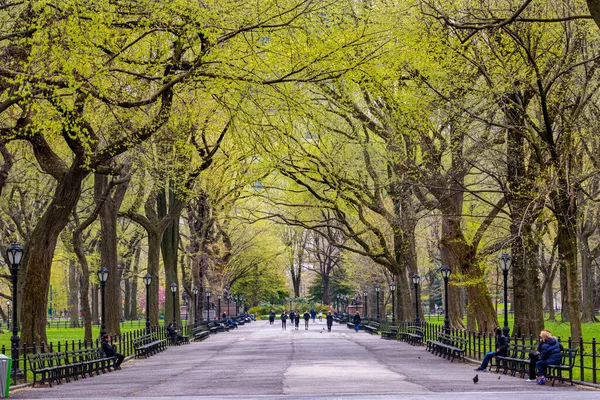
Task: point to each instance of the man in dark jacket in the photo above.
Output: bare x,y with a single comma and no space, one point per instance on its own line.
501,350
329,321
550,354
284,317
356,321
271,317
111,351
306,319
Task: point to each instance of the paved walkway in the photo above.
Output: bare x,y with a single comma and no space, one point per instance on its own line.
260,361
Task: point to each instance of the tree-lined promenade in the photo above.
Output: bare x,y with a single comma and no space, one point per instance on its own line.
390,156
262,360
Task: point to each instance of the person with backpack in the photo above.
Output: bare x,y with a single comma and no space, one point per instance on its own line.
313,314
329,321
297,319
271,317
284,318
306,319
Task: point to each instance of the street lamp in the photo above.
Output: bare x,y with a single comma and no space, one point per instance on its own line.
366,310
195,306
228,302
416,278
147,282
219,309
505,262
102,277
393,289
8,315
14,253
208,305
377,289
174,291
446,274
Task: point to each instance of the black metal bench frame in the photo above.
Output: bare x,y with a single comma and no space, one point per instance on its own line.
447,346
412,334
148,345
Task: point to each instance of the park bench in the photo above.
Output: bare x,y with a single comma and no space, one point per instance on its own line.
240,320
412,334
372,327
148,345
56,366
215,327
447,346
391,333
200,332
568,361
517,359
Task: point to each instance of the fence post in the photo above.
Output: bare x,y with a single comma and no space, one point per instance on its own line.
594,360
581,355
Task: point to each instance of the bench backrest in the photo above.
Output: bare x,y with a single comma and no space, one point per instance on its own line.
143,340
568,357
414,329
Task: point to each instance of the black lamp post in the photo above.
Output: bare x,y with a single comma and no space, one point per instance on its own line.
243,304
147,282
174,292
237,304
366,310
14,253
377,289
505,262
446,274
208,305
8,315
416,278
219,309
102,277
393,289
228,303
195,305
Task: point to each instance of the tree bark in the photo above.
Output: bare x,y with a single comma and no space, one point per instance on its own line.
73,300
169,249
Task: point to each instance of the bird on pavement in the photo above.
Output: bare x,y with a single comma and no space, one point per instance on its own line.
499,376
476,379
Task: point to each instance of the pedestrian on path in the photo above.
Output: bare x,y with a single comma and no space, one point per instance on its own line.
297,319
329,321
271,317
356,321
313,314
284,318
306,319
501,350
320,315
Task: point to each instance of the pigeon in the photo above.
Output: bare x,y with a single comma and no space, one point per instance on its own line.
476,379
419,357
499,376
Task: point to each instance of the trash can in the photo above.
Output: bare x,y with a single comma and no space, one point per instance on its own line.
5,373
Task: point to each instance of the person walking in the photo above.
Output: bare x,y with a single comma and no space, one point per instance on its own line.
356,321
297,319
110,350
313,314
501,350
320,315
284,318
329,321
271,317
306,319
550,354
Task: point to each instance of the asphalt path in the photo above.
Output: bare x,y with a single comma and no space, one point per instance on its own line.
260,361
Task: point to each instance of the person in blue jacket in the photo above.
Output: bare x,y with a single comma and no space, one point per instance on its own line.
501,350
550,354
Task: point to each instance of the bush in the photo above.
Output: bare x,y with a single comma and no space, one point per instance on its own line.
264,310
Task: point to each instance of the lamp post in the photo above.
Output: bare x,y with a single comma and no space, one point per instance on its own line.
8,315
377,289
102,277
505,262
366,310
219,308
14,253
147,282
237,304
416,278
243,304
173,292
208,305
393,289
446,274
195,306
228,303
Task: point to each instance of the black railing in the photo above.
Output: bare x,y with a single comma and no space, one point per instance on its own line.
586,363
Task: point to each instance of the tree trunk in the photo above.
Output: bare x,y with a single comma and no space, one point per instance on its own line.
135,266
154,239
73,300
587,280
326,287
95,302
169,247
126,299
40,252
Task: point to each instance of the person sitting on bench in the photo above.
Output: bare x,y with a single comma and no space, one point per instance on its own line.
110,350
